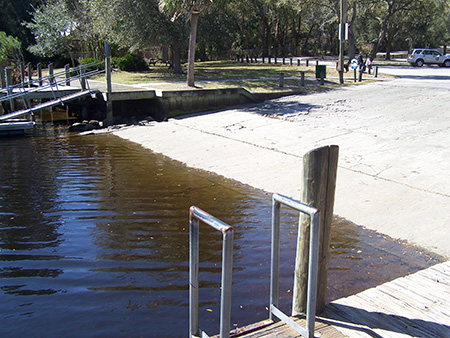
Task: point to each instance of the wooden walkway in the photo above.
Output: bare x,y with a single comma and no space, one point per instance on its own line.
417,305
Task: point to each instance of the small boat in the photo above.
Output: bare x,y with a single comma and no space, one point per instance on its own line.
16,127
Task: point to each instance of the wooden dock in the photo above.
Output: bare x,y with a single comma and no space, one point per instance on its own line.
417,305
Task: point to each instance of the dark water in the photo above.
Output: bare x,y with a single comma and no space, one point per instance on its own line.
94,243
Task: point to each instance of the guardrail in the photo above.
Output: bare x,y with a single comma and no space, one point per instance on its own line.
195,216
277,201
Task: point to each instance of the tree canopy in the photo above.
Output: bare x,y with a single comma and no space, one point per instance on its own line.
253,27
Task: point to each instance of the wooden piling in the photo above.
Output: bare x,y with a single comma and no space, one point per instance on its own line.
318,188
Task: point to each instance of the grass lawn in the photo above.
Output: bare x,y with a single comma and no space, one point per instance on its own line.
255,77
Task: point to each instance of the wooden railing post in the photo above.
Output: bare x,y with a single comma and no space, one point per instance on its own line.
67,74
30,74
2,76
8,75
39,73
22,74
51,78
318,187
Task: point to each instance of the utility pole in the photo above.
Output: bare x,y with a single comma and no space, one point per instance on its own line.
342,28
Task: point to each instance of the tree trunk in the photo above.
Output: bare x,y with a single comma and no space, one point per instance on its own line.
191,53
176,58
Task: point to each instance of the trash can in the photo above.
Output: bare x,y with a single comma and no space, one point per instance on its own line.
320,69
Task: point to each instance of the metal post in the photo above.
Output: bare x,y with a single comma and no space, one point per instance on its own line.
281,82
313,232
342,19
193,276
109,104
375,72
275,257
196,215
225,297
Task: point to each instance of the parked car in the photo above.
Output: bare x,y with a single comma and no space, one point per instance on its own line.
421,56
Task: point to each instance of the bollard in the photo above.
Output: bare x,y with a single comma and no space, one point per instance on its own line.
281,79
375,72
298,62
318,189
302,78
307,63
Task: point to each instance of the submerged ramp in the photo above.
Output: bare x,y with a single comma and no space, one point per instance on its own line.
48,104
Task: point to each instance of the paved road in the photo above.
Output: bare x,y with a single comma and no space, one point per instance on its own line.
394,162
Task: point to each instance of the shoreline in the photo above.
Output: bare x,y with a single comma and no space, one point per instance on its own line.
392,167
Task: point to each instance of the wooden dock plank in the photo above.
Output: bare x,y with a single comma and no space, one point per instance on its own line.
323,329
411,306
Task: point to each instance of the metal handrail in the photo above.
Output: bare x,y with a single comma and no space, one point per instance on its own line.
195,216
277,200
51,82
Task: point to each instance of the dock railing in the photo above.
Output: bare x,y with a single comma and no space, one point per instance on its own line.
274,311
195,216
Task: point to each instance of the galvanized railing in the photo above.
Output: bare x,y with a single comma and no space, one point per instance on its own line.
195,216
277,200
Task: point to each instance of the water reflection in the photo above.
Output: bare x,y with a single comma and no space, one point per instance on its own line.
96,225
